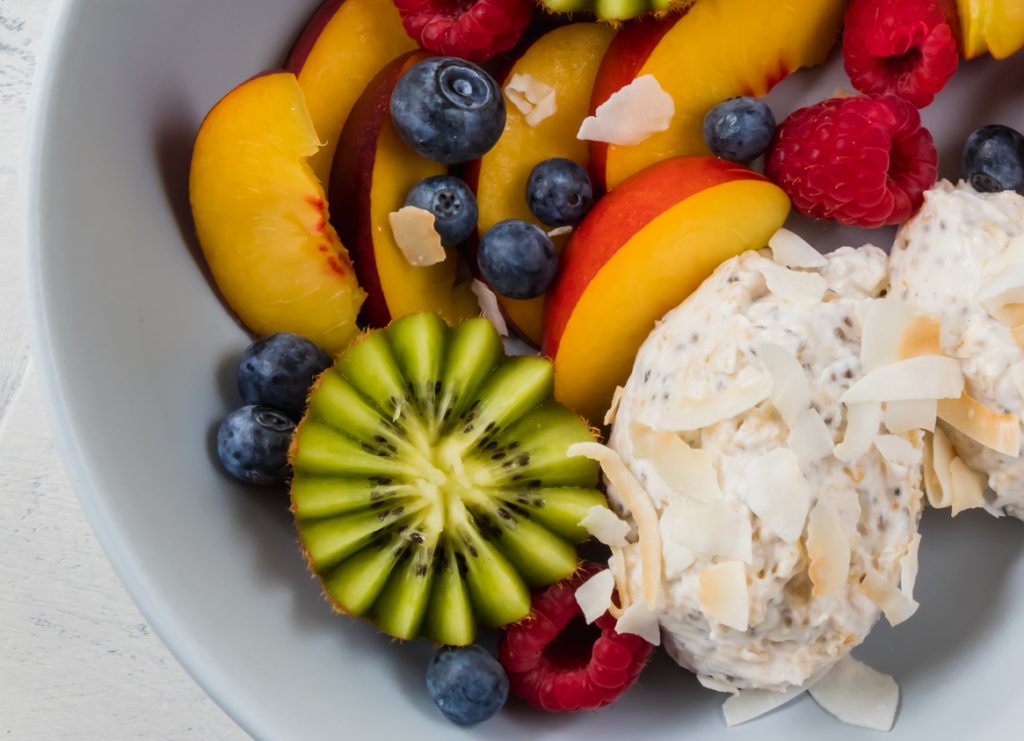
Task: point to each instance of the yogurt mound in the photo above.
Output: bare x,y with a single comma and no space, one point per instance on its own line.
779,563
947,261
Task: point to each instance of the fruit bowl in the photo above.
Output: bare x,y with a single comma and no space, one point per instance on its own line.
128,336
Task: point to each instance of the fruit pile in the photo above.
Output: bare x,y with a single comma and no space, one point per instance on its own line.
418,162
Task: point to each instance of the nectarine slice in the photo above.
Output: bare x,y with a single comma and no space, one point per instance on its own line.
343,46
995,26
716,50
262,217
372,174
566,59
640,251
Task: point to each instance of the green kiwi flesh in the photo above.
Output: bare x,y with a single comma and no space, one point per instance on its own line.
431,486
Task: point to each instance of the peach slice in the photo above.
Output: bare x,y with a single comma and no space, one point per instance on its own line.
716,50
372,174
262,218
995,26
643,249
566,59
343,46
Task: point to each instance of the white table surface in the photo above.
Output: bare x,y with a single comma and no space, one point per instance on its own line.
77,660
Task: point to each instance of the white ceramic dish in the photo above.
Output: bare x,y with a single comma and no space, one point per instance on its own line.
137,356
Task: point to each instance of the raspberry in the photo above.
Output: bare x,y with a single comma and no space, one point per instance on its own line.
902,47
471,29
558,663
864,160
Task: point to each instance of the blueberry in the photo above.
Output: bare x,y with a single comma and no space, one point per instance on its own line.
739,130
517,259
447,109
277,370
994,159
467,684
559,192
252,443
452,203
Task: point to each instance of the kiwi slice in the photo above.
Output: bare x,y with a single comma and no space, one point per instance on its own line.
431,484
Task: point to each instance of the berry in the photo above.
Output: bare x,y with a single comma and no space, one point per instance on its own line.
278,371
470,29
901,47
863,160
517,259
559,192
994,159
452,203
448,110
739,129
556,662
252,444
467,684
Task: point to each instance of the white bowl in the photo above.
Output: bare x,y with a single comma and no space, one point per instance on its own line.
137,354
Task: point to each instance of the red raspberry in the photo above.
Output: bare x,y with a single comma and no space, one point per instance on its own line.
864,160
556,662
903,47
470,29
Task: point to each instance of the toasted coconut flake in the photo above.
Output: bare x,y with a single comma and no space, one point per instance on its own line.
527,94
617,565
560,231
828,548
894,603
909,566
941,486
690,471
968,487
594,596
489,307
862,420
746,705
1000,290
1012,315
792,251
1017,374
791,393
609,416
709,528
639,619
639,505
809,437
882,335
689,413
999,432
921,336
631,114
415,235
897,451
923,377
858,695
606,526
723,594
778,493
792,285
904,416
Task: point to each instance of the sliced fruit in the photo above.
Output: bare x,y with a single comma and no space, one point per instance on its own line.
616,10
716,50
376,171
432,488
344,45
994,26
262,218
566,59
641,250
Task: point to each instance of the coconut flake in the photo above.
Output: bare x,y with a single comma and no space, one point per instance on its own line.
828,548
894,603
1012,315
605,525
882,334
415,235
613,410
489,307
791,393
709,528
689,413
998,432
631,114
560,231
639,505
909,566
858,695
746,705
968,487
1017,374
534,99
862,420
792,251
640,620
939,488
677,558
689,471
594,596
778,493
923,377
617,565
546,108
723,594
921,336
792,285
1005,288
897,452
904,416
809,437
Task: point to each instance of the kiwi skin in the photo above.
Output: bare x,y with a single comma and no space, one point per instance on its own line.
431,485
